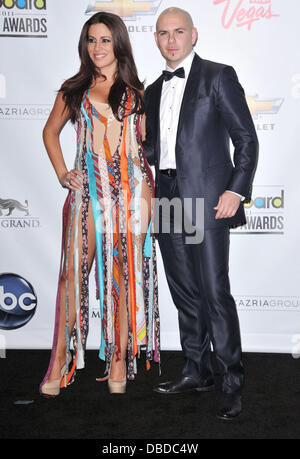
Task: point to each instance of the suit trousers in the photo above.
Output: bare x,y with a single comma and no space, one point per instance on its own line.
198,280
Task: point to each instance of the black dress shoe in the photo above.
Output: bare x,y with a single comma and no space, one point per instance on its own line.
184,384
230,406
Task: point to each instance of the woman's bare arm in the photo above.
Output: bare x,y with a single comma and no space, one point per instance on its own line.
51,132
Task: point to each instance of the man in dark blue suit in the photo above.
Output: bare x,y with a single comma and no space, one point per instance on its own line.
192,111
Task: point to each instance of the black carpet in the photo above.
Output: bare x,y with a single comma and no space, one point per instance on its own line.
86,410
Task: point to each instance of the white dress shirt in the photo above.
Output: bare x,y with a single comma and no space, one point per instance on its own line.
171,100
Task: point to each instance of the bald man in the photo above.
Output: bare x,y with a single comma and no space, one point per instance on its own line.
192,111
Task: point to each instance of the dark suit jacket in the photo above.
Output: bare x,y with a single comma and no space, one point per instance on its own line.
213,110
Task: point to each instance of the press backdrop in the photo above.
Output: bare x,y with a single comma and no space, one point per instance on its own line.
38,51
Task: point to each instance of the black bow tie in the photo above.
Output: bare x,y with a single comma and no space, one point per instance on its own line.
168,75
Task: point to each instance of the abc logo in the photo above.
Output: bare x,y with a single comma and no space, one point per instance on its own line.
18,301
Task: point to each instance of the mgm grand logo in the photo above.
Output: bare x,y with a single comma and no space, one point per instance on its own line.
265,212
14,214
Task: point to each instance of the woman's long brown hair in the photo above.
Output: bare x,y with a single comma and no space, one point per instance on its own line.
74,88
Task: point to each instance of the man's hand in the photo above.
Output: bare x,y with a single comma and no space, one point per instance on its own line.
228,205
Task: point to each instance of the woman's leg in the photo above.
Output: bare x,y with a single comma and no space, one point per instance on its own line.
118,367
67,284
145,209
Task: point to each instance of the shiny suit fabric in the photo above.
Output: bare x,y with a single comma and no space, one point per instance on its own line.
213,111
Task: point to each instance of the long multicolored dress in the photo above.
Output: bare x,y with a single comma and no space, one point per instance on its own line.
112,161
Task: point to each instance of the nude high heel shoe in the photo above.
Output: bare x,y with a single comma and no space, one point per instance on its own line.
117,387
51,389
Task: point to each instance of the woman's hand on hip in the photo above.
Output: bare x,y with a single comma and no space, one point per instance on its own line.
72,180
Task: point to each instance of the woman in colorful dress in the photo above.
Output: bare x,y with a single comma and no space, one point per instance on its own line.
107,213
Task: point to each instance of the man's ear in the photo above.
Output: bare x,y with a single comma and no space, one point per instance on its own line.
194,36
155,36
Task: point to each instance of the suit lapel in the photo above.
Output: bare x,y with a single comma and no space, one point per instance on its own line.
157,98
190,90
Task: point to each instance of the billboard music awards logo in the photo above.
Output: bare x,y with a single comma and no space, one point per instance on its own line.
265,211
260,107
129,10
14,215
244,13
23,18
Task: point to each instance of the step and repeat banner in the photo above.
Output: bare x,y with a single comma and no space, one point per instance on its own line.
38,51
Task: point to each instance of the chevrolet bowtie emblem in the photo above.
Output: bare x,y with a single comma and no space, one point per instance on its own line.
127,9
263,107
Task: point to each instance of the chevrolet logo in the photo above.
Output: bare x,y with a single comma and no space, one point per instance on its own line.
263,107
127,9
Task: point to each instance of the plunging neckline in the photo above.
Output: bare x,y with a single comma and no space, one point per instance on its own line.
103,116
87,95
